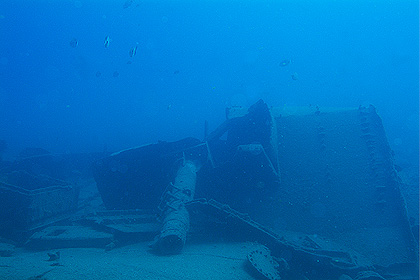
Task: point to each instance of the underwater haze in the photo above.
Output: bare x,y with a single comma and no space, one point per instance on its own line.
84,76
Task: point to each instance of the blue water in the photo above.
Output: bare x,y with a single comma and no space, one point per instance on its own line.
193,59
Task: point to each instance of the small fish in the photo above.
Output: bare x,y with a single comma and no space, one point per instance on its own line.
295,76
133,51
107,41
127,4
115,74
74,43
176,72
98,74
285,62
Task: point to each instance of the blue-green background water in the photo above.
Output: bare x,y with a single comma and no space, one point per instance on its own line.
193,59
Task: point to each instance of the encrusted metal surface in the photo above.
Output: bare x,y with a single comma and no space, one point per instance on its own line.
260,258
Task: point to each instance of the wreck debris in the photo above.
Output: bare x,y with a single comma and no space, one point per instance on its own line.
40,276
32,201
67,237
262,261
302,247
176,219
368,275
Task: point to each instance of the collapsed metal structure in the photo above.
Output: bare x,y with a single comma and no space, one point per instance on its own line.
327,172
316,186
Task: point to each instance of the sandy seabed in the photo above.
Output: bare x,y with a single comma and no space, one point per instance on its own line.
197,261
